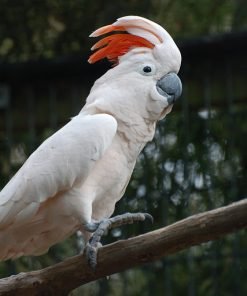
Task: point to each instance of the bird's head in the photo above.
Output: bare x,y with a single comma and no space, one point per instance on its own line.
146,62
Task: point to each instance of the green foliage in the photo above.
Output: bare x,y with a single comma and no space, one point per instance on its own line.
197,161
48,28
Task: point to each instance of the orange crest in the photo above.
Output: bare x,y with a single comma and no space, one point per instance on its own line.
115,45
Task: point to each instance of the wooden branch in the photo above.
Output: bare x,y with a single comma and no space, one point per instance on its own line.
61,278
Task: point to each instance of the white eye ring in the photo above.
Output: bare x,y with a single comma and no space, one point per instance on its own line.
147,70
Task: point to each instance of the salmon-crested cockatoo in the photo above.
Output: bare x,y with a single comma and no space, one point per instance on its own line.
75,177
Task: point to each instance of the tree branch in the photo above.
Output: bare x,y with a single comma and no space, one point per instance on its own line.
61,278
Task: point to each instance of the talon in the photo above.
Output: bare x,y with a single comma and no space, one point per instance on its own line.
149,217
91,254
102,227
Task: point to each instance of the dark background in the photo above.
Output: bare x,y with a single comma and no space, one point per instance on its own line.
198,159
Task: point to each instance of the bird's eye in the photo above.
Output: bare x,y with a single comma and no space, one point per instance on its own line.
147,69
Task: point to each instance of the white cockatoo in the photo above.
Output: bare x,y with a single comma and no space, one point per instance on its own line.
75,177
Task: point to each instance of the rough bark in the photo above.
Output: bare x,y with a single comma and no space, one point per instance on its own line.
61,278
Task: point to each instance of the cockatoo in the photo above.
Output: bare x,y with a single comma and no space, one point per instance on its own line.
75,177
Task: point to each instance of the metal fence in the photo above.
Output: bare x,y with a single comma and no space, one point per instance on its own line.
197,161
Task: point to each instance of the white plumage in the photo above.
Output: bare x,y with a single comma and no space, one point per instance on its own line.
79,173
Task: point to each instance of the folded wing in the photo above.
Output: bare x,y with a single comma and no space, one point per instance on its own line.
62,161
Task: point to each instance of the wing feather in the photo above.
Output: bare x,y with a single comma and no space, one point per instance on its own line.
62,161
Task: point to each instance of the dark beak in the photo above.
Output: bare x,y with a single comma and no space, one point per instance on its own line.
170,86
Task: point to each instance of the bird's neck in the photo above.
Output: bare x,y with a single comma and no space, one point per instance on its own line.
133,131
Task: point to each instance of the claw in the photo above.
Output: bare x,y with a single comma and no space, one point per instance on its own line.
149,217
100,228
91,255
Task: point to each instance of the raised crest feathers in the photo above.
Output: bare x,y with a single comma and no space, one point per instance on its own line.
126,33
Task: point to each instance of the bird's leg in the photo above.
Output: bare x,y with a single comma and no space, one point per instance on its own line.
102,227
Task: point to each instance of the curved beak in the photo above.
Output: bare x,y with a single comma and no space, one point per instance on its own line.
170,86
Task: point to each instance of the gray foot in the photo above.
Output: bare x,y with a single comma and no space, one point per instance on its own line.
102,227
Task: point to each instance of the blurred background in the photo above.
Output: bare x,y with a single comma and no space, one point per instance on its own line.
198,159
